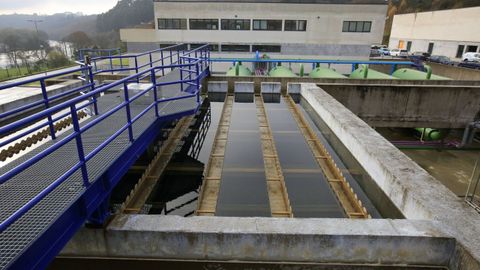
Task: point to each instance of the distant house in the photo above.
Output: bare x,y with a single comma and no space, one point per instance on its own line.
290,28
448,32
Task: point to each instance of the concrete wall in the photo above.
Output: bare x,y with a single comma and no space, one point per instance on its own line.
323,35
343,241
446,29
441,47
458,23
414,192
456,73
324,22
409,105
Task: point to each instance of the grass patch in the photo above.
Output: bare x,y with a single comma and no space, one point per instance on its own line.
124,62
12,73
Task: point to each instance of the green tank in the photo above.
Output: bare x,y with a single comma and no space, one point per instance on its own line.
431,134
239,70
363,72
412,74
281,71
323,72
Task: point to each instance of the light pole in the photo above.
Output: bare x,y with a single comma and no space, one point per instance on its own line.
35,22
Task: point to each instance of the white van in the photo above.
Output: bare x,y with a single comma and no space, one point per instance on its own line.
471,57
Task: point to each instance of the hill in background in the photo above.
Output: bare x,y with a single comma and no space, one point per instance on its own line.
102,28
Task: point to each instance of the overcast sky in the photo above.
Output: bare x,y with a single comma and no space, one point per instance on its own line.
55,6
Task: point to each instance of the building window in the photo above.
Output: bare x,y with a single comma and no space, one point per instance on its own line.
472,48
182,47
430,47
172,23
212,47
293,25
357,26
203,24
231,24
460,50
235,48
267,25
266,48
409,45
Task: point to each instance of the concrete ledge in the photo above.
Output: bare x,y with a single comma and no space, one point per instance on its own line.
270,87
409,105
413,191
243,87
267,239
218,86
21,96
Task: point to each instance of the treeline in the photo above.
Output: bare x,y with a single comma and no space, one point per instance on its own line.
411,6
126,13
31,50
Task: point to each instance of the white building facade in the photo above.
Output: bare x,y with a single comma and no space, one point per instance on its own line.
332,29
448,32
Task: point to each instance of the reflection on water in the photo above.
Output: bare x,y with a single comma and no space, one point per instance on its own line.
177,190
243,189
308,190
373,198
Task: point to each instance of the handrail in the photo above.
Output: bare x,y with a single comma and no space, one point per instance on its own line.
51,110
78,131
321,61
45,77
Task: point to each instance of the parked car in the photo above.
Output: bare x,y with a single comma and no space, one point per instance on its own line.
471,57
422,56
441,59
374,53
378,46
395,52
468,64
399,53
384,51
404,53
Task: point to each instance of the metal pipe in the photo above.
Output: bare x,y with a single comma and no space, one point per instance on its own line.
469,133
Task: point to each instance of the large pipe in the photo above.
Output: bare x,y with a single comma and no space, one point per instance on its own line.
429,71
469,133
412,74
365,74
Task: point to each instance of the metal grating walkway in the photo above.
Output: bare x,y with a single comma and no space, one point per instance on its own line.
23,187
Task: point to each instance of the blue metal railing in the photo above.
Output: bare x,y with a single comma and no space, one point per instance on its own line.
196,69
97,52
45,100
164,56
168,56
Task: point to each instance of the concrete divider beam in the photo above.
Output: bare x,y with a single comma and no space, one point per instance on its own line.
218,86
293,88
270,87
244,87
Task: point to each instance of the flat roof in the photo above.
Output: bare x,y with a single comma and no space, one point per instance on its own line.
332,2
